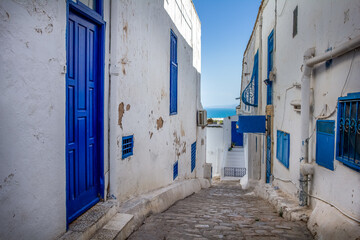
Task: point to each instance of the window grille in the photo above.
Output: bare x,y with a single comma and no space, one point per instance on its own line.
250,93
348,131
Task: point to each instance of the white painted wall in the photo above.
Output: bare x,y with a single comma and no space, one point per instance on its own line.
32,125
143,85
32,149
215,147
321,24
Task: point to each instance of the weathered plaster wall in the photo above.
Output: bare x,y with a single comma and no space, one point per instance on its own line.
32,106
140,103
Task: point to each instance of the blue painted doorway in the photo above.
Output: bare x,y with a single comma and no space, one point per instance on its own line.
236,138
84,109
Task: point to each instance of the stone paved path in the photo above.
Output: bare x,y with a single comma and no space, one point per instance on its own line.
223,211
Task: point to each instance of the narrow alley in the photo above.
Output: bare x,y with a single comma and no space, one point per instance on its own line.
223,211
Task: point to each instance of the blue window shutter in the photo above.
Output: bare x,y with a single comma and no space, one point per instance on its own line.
283,148
173,73
286,149
269,67
325,137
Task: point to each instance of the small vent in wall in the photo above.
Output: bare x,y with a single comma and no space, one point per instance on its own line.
193,156
175,170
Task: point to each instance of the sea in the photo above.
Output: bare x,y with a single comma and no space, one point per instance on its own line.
220,112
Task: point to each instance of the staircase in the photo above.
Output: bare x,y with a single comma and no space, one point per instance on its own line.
234,165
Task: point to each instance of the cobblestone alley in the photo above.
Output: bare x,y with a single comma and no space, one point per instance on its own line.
221,211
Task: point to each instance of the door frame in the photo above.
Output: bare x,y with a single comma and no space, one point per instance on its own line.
96,18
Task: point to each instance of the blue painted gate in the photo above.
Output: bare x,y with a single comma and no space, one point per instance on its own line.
236,138
82,106
268,149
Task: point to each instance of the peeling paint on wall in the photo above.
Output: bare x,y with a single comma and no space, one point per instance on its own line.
182,131
128,107
151,134
121,114
159,123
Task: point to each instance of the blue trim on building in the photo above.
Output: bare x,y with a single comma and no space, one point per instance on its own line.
325,143
97,18
270,67
250,93
173,73
127,146
348,131
193,156
283,147
175,170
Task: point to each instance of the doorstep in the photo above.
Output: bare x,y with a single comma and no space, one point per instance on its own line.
85,226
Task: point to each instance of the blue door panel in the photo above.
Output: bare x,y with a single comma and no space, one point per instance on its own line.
82,140
236,138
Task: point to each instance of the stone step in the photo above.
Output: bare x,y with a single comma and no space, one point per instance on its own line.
85,226
113,229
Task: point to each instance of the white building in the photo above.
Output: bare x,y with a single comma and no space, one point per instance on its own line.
99,99
224,150
306,117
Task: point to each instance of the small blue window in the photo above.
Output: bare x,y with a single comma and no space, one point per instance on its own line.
283,147
325,138
175,170
173,73
193,156
127,146
348,131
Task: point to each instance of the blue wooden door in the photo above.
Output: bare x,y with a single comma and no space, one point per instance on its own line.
236,138
82,83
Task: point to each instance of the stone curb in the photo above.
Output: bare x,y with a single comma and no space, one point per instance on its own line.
287,207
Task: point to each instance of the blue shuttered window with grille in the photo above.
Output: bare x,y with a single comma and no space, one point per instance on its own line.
193,156
250,94
348,131
127,146
325,138
283,147
173,73
175,169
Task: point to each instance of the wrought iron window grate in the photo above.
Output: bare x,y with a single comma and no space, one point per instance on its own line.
250,93
348,131
127,146
234,172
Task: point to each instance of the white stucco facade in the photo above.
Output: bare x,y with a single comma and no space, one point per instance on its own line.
322,25
136,102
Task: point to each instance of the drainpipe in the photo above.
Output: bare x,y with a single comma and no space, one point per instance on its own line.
309,63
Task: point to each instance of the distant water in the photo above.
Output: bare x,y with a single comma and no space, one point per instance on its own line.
220,112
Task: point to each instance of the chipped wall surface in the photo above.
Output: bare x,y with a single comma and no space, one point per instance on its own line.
32,97
321,24
143,83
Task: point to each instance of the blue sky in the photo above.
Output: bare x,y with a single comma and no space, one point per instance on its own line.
226,26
